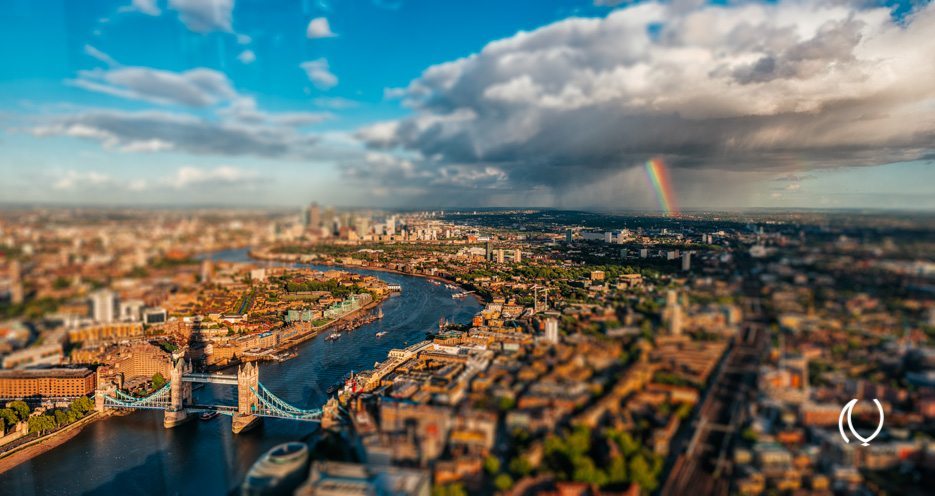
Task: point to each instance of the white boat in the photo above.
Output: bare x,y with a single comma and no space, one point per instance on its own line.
381,334
279,471
333,336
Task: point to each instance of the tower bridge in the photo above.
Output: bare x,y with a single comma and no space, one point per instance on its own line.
254,400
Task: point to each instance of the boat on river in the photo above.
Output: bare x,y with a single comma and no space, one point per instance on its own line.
333,336
208,415
381,334
279,471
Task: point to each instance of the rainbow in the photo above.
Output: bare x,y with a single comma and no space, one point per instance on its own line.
658,175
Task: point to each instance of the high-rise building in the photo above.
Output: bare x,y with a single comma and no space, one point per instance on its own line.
207,270
569,235
500,256
686,261
488,254
314,216
104,306
17,293
551,330
644,252
608,237
517,256
673,312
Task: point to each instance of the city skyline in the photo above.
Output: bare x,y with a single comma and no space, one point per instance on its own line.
783,104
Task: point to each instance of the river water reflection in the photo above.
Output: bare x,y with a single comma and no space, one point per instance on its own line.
134,454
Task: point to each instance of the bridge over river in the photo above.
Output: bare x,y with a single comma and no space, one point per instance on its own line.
254,400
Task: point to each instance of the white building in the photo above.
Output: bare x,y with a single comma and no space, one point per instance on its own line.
104,306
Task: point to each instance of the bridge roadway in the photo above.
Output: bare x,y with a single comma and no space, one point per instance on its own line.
230,380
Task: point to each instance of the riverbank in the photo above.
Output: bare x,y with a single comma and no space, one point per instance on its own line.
38,446
135,454
270,257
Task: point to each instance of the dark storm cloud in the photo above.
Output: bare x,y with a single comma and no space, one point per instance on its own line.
748,87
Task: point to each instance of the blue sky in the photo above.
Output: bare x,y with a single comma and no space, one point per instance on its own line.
429,103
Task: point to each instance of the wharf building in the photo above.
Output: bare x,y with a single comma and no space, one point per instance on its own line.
47,383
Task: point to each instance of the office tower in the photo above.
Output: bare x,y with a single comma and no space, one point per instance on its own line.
686,261
104,306
551,330
608,237
488,254
17,293
673,312
644,252
312,216
569,235
207,270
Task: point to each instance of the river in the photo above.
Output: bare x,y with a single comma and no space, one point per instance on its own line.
134,454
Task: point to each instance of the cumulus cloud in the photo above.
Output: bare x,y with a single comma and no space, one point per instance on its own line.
188,176
158,131
74,179
198,87
185,177
759,88
319,73
247,57
244,110
204,16
319,28
148,7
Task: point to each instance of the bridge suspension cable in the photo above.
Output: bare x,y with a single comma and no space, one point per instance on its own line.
159,400
273,406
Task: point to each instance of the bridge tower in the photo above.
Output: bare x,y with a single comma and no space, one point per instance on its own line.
180,394
248,382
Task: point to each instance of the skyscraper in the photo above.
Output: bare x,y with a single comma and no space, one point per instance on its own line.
686,261
104,306
314,216
551,330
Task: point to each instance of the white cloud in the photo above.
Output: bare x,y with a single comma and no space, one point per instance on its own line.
271,137
744,86
319,74
189,176
148,7
244,110
319,28
204,16
335,103
99,55
198,87
74,179
247,57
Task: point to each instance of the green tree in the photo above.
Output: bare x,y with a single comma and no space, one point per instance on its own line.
20,407
641,474
586,471
617,470
158,381
520,466
8,418
81,406
492,464
40,424
61,418
455,489
503,482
